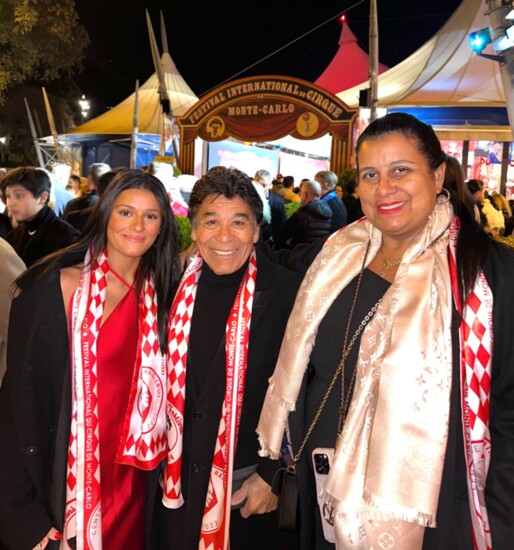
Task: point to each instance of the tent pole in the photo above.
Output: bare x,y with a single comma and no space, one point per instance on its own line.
373,58
34,135
168,119
133,143
51,123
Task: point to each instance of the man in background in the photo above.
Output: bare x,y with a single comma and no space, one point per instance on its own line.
91,197
59,196
310,222
328,181
273,204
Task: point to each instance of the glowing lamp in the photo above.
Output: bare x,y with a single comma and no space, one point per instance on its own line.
480,39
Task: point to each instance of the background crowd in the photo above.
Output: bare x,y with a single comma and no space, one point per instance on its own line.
165,351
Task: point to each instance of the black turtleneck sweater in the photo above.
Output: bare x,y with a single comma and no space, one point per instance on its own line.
214,299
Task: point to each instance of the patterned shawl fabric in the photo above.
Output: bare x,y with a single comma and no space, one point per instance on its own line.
216,517
143,440
385,480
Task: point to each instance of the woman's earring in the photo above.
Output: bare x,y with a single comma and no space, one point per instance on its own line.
444,196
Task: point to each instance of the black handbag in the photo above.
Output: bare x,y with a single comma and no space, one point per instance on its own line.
285,486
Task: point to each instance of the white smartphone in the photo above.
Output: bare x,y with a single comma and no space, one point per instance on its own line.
321,460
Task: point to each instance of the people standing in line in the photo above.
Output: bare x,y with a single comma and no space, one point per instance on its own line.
285,190
11,266
328,181
500,203
73,185
164,171
59,196
266,210
90,198
39,231
310,222
492,220
409,314
352,201
277,211
79,428
455,183
80,217
227,324
277,184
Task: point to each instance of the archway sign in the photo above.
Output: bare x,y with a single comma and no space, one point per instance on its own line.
266,108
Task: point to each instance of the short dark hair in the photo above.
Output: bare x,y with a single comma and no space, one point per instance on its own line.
288,182
475,185
34,180
221,181
105,179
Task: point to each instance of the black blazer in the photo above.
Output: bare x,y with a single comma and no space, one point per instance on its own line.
275,291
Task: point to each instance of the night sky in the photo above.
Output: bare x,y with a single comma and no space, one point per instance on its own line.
213,43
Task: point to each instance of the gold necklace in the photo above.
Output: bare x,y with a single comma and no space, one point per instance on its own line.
387,264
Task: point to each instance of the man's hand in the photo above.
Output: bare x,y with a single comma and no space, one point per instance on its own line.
257,496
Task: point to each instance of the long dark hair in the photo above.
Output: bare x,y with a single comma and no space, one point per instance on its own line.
160,260
473,244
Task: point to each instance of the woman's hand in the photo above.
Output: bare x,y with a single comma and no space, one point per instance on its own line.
53,534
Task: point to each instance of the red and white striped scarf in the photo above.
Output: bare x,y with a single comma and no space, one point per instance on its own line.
216,517
476,334
143,440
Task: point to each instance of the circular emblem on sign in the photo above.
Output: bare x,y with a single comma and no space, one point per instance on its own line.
215,127
307,124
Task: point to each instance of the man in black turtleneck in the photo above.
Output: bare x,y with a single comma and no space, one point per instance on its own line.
237,304
38,230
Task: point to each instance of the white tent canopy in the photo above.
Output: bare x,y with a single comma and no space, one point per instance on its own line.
444,71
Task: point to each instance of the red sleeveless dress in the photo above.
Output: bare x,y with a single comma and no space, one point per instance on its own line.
123,488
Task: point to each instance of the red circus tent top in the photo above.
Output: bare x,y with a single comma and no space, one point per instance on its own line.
349,66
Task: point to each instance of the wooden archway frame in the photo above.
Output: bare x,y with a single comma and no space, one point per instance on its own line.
266,108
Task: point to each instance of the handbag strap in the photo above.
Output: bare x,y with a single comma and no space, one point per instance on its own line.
346,352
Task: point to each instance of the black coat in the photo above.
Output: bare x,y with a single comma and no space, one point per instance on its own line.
278,212
274,296
5,225
307,224
78,203
339,213
353,208
49,234
35,416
